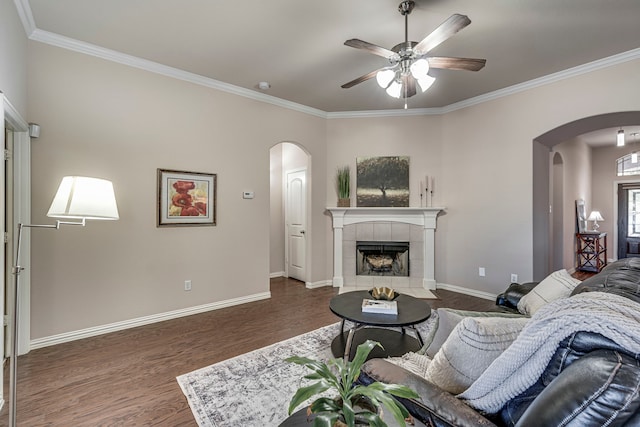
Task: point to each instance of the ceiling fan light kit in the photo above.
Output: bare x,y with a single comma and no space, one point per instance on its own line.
409,60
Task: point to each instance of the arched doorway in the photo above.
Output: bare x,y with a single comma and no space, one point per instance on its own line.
557,212
542,197
290,191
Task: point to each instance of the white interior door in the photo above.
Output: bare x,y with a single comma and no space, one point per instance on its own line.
295,218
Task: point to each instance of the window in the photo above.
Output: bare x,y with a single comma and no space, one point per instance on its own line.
626,166
633,213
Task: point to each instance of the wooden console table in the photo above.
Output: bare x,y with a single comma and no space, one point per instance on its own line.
591,251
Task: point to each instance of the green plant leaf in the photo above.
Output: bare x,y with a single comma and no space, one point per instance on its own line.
396,408
361,356
325,420
395,389
320,370
324,404
348,413
307,392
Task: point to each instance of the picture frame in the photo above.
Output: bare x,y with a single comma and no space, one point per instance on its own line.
186,198
382,181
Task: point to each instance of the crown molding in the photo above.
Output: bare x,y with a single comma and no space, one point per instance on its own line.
26,17
589,67
74,45
24,11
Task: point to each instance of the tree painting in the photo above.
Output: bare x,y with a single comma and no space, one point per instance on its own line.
383,181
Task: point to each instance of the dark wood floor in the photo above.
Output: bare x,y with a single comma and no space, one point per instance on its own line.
127,378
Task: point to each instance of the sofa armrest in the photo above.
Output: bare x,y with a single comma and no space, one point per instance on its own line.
435,407
511,296
598,389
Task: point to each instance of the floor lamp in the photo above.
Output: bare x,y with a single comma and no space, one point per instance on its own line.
79,199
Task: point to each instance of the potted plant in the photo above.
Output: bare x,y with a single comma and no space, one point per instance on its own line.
354,404
343,182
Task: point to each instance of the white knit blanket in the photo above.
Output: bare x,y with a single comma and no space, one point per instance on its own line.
520,366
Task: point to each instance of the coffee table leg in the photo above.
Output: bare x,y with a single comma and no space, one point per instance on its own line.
347,345
417,335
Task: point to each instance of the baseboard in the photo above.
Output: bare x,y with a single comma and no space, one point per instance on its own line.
140,321
461,290
320,284
276,274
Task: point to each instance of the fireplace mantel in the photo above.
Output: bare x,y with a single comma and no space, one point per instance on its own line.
424,217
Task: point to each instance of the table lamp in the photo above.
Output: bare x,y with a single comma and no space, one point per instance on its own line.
595,217
78,198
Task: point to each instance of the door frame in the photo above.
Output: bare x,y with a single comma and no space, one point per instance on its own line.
614,252
308,237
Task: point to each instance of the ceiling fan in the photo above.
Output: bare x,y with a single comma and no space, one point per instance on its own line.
409,62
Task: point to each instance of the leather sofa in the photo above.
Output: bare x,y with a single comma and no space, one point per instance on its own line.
590,380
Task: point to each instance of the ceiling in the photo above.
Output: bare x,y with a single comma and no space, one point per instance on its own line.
297,46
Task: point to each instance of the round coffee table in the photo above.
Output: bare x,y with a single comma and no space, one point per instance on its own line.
348,306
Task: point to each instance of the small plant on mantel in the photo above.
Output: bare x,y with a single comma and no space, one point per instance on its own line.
354,404
343,182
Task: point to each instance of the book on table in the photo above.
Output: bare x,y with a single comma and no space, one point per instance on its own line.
379,306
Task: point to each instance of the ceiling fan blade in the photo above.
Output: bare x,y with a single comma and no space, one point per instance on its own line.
371,48
468,64
361,79
455,23
409,83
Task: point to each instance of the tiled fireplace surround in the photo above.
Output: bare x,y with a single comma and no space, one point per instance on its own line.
414,225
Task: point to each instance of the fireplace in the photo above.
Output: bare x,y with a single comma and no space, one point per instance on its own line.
382,259
363,224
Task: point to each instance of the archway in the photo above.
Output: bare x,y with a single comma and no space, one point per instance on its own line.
287,158
542,145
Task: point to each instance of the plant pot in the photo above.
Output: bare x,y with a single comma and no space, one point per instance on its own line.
344,203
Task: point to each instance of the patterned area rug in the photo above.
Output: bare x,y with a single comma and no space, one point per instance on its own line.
254,389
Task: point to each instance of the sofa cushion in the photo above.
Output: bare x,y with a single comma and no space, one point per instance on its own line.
472,346
447,320
558,284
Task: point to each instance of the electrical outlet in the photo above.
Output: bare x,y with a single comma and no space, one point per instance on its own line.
514,278
187,285
481,271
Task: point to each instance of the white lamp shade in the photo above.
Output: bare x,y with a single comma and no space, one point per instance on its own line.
419,68
620,138
595,216
80,197
426,82
384,77
395,89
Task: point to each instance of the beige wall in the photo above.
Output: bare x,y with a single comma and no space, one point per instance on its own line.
107,120
577,181
13,57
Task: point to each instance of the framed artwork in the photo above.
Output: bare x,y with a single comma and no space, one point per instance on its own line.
382,181
186,198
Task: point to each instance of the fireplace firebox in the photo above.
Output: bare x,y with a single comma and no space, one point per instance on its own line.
382,259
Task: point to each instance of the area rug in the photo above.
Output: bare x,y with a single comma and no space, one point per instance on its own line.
254,389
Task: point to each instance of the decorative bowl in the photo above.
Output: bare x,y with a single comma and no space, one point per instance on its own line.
383,293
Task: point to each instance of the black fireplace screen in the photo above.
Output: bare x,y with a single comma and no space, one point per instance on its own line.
382,259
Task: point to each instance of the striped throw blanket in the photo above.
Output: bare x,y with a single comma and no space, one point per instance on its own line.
520,366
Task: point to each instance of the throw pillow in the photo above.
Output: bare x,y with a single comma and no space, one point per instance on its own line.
412,362
447,319
472,346
558,284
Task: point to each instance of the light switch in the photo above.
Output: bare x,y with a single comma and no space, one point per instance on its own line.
247,194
